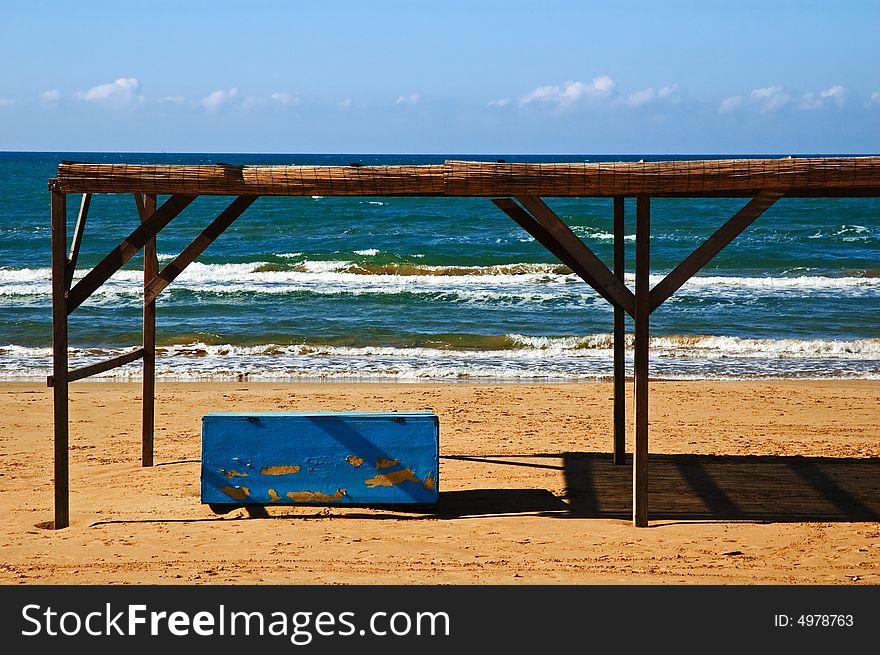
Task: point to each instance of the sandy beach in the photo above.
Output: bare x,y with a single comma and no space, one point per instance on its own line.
751,482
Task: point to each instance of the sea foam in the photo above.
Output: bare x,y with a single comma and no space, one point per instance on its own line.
342,276
517,357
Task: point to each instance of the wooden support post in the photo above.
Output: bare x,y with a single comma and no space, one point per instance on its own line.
59,356
151,269
76,242
619,338
712,246
643,312
154,287
606,284
100,367
527,222
126,250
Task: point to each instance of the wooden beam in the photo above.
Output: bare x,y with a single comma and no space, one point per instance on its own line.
607,285
542,236
643,312
619,336
226,180
674,178
76,242
147,207
692,178
126,250
219,225
522,218
140,203
59,358
712,246
99,367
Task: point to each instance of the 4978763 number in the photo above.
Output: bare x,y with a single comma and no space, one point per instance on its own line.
825,620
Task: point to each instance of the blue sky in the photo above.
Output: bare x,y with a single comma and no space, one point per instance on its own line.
441,77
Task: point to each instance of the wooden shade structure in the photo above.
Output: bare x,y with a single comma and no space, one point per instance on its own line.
817,176
516,189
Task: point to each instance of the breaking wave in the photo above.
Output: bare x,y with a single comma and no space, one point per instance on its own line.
519,281
478,357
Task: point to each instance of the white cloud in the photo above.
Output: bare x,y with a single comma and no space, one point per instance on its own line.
500,102
810,101
875,98
283,98
172,100
570,92
835,94
411,99
639,98
773,98
345,103
50,95
216,99
644,96
770,98
278,98
6,102
603,84
541,94
731,103
574,91
117,94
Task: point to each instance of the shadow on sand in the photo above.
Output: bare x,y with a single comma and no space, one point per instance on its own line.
687,487
681,487
729,487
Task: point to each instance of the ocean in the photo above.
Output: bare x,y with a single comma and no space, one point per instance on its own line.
441,289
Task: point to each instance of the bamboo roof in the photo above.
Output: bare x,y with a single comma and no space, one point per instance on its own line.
808,176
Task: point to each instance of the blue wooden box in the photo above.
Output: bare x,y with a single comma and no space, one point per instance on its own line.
320,458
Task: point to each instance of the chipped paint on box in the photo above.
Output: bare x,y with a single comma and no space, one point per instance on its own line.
237,493
315,496
390,479
320,458
232,474
279,470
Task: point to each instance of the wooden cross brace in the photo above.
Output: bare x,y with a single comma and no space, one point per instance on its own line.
536,218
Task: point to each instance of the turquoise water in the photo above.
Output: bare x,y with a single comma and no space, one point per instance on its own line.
441,288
